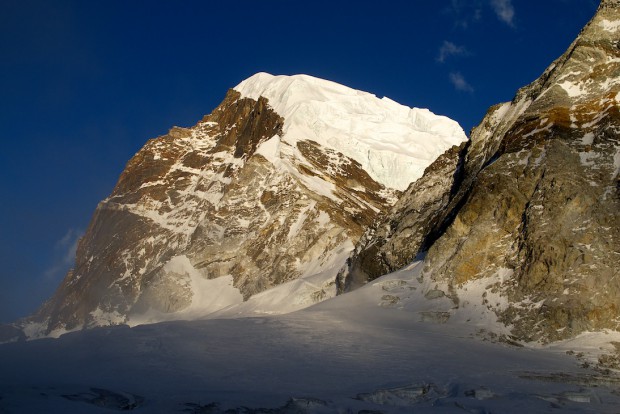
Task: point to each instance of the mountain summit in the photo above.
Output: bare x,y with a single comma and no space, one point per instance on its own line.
376,133
277,184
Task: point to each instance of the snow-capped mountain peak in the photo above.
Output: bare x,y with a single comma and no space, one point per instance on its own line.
271,190
392,142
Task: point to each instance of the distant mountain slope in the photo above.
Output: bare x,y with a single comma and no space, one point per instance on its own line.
533,213
276,184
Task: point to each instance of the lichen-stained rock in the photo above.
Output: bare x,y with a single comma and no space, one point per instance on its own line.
542,216
205,217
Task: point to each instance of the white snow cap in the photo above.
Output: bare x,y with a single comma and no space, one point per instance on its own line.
392,142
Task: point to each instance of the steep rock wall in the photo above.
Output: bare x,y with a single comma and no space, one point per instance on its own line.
536,215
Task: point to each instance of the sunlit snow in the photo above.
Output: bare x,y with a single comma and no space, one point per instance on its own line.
392,142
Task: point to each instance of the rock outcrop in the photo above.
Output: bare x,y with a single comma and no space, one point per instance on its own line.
536,215
414,222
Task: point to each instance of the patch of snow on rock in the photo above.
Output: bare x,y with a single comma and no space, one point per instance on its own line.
588,138
572,89
610,26
270,149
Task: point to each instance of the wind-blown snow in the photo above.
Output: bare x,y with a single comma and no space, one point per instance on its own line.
392,142
208,295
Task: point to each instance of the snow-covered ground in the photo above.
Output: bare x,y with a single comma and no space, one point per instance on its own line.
383,347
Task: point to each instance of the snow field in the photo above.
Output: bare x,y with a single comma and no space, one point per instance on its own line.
346,354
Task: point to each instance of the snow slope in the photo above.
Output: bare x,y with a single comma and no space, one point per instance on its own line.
360,351
218,298
392,142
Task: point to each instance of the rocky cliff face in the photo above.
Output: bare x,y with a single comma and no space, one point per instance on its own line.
276,184
535,214
412,225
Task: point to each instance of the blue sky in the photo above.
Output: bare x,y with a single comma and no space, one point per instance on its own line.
84,84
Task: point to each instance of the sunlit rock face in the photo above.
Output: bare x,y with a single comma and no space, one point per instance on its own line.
536,215
278,183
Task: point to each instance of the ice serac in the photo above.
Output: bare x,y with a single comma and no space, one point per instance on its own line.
276,185
536,215
392,142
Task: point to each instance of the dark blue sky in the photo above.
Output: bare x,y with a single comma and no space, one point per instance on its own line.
84,84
